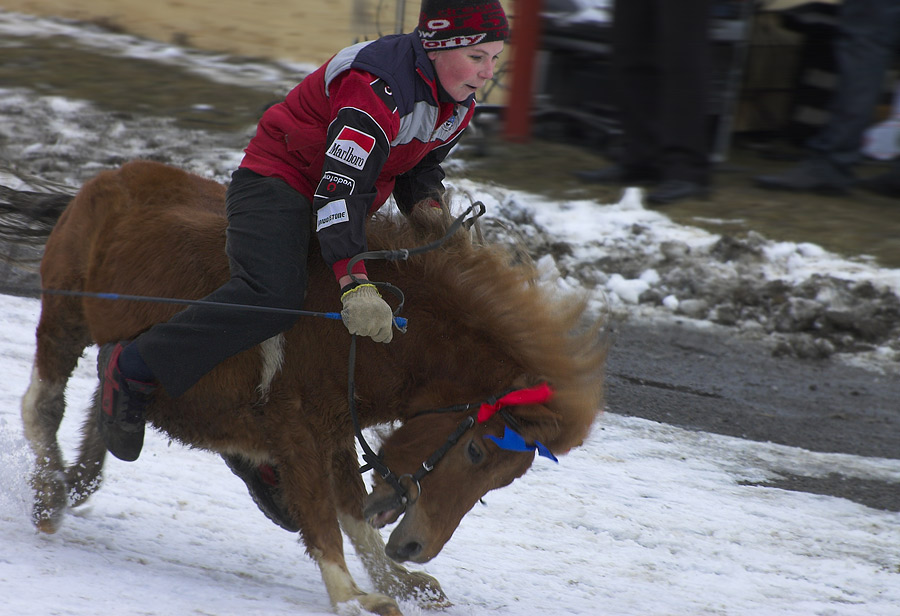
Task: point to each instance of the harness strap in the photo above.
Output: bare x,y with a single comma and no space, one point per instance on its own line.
477,209
429,464
371,459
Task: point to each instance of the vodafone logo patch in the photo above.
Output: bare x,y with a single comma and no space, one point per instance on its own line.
352,147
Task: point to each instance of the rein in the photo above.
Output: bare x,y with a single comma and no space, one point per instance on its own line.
391,255
20,291
373,460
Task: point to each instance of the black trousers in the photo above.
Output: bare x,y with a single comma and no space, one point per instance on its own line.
267,245
662,67
868,39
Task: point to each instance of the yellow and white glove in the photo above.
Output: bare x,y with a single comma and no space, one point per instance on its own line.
365,313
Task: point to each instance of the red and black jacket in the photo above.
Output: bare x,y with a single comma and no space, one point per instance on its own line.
369,122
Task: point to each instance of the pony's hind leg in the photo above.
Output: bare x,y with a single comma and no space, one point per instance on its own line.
60,342
83,477
42,410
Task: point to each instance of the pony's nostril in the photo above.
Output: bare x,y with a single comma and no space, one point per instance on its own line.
407,551
411,550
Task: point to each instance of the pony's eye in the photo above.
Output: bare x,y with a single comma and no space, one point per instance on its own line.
475,454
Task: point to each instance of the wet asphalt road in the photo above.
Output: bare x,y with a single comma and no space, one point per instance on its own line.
708,379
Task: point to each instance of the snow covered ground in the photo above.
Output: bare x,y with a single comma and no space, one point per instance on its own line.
643,519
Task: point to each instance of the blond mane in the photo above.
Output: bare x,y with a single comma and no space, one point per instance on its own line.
544,329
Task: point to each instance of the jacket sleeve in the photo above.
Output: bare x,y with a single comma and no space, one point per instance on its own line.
357,145
425,180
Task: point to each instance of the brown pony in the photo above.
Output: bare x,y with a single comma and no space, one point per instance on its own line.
478,327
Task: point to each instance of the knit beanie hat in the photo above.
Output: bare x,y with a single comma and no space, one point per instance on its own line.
445,24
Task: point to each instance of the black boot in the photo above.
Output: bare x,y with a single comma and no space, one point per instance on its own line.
812,175
886,184
122,404
671,191
262,483
618,174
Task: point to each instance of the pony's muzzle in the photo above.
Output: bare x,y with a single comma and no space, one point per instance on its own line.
384,511
380,512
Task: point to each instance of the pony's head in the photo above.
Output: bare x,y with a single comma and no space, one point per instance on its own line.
448,459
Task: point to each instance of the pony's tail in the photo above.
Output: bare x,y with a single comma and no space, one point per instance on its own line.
27,217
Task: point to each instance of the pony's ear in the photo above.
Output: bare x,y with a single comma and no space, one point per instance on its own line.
538,422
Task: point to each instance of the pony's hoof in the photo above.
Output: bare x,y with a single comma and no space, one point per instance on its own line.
427,592
50,500
82,481
47,520
419,587
46,525
379,604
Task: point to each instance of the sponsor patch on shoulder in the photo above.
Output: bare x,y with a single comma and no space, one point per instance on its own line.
352,147
335,185
383,91
331,214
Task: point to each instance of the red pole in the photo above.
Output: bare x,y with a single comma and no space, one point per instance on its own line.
525,37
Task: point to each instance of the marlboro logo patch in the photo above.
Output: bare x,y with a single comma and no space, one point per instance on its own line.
352,147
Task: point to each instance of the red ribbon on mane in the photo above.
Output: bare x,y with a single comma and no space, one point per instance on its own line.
533,395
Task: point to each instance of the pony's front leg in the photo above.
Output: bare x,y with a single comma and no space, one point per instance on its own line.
342,589
389,577
308,495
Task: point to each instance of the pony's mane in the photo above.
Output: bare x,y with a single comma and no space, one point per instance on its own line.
544,330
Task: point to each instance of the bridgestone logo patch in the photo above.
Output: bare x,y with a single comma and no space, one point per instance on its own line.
331,214
352,147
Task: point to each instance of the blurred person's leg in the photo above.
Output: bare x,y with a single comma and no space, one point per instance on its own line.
869,35
636,79
685,62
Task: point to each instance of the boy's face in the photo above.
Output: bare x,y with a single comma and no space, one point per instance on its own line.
463,70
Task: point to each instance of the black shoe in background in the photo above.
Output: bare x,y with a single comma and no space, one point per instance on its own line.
671,191
262,483
618,174
885,184
122,403
812,175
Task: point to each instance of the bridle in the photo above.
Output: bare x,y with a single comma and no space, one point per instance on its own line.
402,483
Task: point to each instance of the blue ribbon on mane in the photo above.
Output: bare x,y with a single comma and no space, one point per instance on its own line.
513,441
